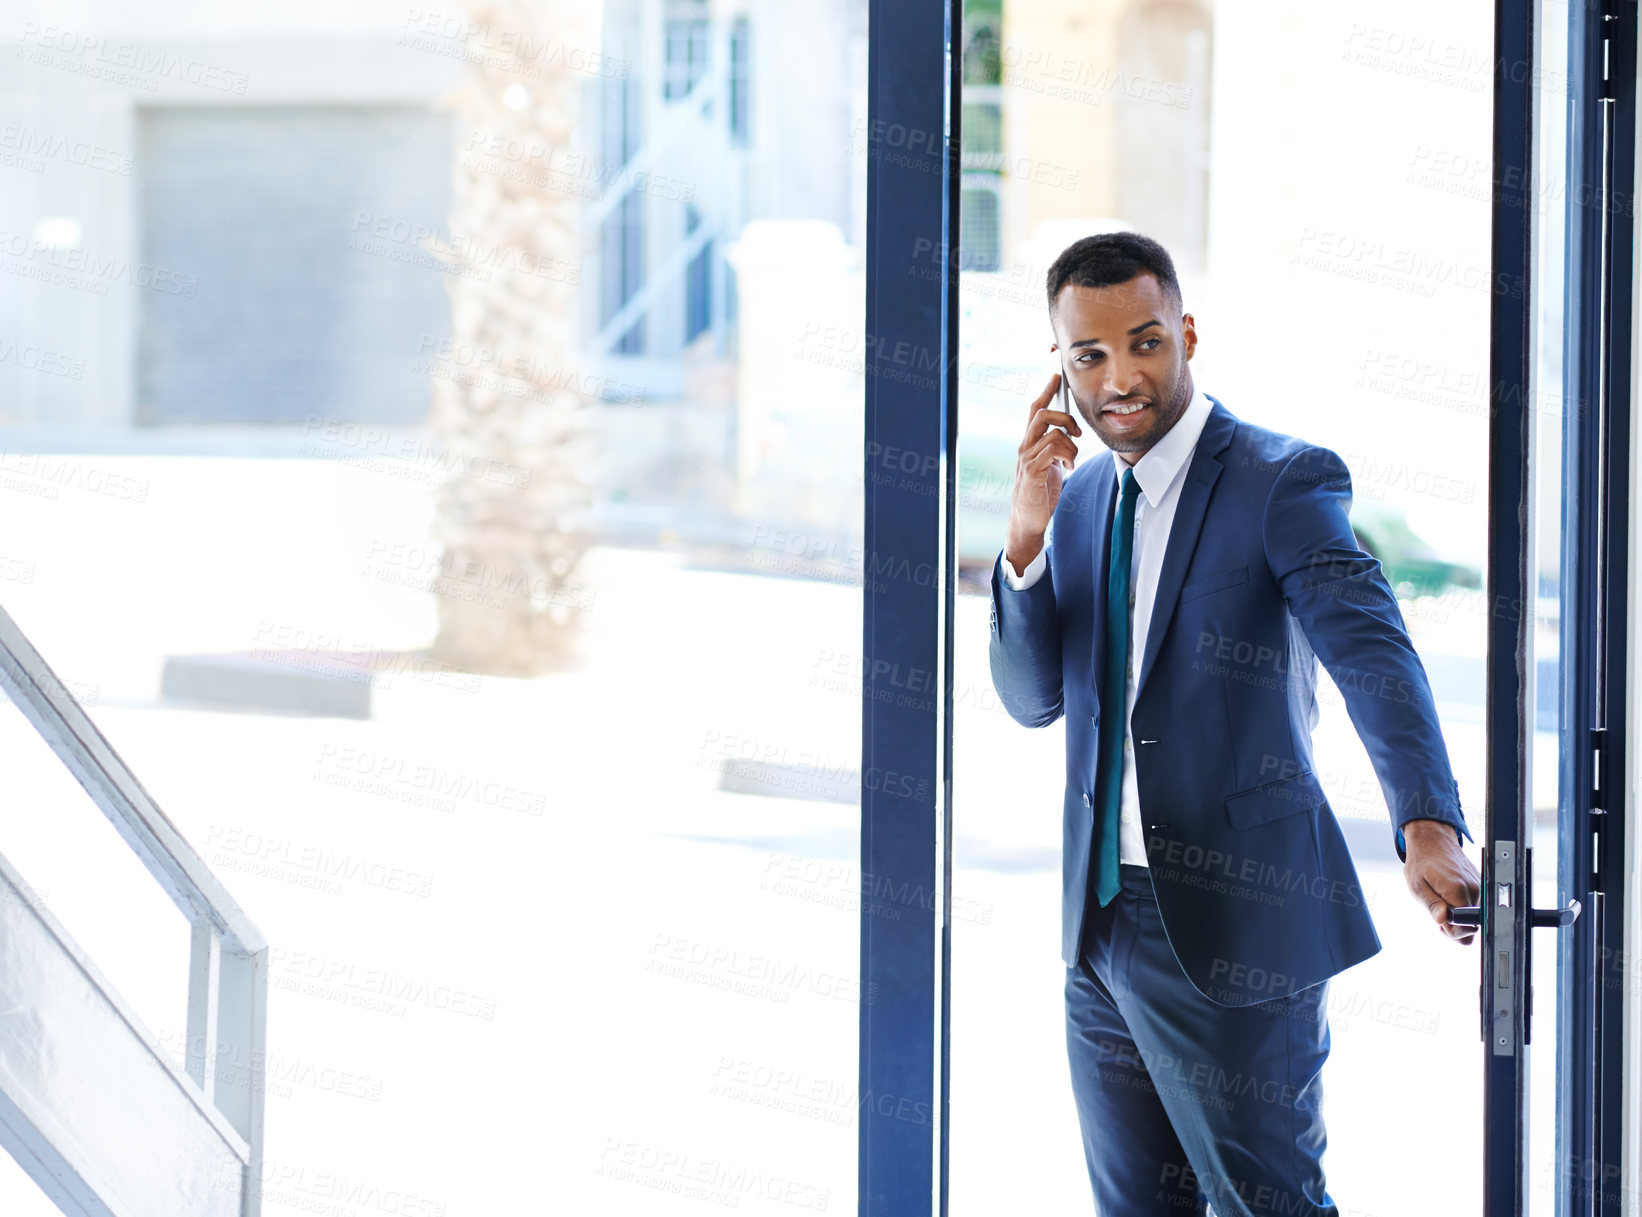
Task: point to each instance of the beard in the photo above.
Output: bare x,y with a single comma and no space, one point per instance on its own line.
1166,409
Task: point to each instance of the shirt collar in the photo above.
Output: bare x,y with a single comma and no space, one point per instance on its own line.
1157,470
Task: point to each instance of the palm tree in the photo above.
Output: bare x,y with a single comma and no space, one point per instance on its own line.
514,425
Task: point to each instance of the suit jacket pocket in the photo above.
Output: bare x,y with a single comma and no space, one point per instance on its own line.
1274,800
1214,583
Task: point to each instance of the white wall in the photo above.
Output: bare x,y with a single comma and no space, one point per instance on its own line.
83,166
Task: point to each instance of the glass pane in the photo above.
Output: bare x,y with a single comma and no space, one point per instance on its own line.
1550,408
982,139
434,463
1340,291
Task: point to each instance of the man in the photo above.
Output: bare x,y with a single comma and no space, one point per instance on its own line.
1174,614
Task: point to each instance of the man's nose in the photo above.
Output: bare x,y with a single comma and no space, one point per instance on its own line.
1123,377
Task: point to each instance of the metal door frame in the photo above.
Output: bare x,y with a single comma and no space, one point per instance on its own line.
1595,583
910,463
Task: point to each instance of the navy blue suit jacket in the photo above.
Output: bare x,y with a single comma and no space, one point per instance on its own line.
1261,577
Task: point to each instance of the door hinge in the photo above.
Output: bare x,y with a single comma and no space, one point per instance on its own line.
1599,765
1600,785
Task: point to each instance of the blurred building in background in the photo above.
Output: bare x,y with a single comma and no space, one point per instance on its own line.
253,273
1140,73
257,269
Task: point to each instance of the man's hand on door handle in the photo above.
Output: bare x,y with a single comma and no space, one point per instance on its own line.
1440,875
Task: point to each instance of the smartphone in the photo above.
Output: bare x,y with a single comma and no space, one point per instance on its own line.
1063,402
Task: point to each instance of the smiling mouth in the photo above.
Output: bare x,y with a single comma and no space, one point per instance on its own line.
1129,409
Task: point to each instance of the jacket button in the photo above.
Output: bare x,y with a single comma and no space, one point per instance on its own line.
1086,799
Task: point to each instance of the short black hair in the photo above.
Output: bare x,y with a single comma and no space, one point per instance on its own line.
1109,258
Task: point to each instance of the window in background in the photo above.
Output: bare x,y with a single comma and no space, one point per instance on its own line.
620,230
686,58
981,222
698,310
982,152
740,81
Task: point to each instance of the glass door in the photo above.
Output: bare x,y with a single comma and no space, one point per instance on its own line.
1450,325
1338,273
1559,449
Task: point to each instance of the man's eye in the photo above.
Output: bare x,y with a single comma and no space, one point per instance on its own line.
1150,343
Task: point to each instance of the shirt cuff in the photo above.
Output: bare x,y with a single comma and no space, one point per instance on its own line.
1033,572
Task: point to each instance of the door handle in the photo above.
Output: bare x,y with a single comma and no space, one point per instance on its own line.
1507,1015
1557,918
1471,914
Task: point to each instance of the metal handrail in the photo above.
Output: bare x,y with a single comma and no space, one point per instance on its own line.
228,960
62,723
678,114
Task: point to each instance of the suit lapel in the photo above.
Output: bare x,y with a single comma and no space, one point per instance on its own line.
1201,475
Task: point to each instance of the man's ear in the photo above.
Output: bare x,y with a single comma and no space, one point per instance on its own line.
1188,333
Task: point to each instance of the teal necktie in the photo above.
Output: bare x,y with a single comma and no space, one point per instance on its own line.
1114,694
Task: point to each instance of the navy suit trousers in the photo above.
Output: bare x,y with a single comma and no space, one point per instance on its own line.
1185,1103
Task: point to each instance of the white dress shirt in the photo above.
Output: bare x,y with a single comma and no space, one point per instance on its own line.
1161,472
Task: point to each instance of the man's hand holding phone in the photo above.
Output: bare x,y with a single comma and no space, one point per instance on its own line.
1045,456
